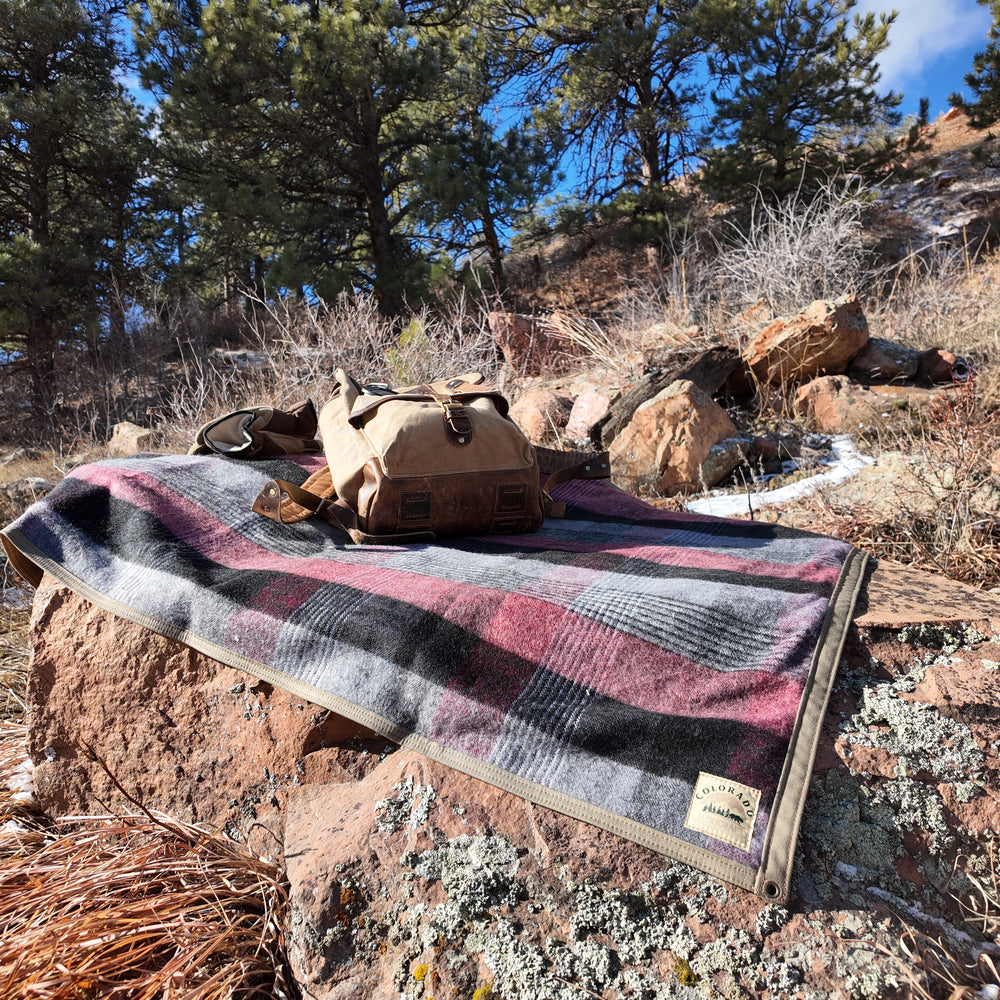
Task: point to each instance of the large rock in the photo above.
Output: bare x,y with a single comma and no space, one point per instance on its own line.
822,340
530,344
836,404
883,360
119,715
408,878
129,439
589,408
710,370
669,439
542,414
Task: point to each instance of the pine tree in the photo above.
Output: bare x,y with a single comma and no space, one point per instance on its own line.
797,89
296,127
984,79
71,149
620,80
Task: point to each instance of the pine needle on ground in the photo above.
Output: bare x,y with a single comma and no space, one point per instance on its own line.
138,908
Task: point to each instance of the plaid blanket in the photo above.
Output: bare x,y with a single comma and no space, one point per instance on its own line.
662,675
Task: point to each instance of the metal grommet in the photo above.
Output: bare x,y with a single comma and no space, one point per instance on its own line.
771,889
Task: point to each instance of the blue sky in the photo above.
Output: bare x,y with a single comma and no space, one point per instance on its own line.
931,46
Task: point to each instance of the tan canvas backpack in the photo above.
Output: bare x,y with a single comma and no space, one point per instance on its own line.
427,461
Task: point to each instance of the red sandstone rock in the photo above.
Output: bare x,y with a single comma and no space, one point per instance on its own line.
541,414
407,877
835,404
588,408
530,344
669,439
129,439
822,340
112,704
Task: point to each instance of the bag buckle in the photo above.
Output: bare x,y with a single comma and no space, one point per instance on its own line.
458,424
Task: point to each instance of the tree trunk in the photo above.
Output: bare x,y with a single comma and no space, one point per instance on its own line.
492,247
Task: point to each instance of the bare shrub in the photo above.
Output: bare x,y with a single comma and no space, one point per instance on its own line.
789,253
307,343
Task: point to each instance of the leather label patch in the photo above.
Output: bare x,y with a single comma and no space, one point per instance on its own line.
414,505
723,809
506,525
511,498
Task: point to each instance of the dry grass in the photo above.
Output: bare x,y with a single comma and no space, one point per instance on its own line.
140,908
931,967
947,298
941,512
293,352
117,907
14,653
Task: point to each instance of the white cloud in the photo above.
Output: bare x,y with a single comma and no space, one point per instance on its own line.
924,32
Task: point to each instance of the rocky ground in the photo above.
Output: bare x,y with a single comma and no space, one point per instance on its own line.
409,879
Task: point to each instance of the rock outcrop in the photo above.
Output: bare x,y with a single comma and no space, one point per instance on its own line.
822,340
407,878
820,366
670,438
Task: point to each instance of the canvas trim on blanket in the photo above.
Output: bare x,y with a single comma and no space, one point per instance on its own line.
662,675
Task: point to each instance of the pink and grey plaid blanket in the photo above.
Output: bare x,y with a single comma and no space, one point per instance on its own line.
662,675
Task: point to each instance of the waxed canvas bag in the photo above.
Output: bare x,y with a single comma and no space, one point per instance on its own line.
427,461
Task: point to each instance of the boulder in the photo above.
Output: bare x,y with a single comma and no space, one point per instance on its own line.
144,719
409,878
669,439
711,370
588,410
822,340
129,439
530,344
541,414
883,360
835,404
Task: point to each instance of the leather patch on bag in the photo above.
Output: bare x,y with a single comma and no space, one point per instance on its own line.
723,809
511,498
506,525
414,505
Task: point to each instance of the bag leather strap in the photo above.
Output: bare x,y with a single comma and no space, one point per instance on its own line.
277,492
596,467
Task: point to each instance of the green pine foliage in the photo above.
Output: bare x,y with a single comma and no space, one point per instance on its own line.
327,123
72,148
984,78
621,81
796,93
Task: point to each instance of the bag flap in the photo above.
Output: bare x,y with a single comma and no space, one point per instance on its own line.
365,405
